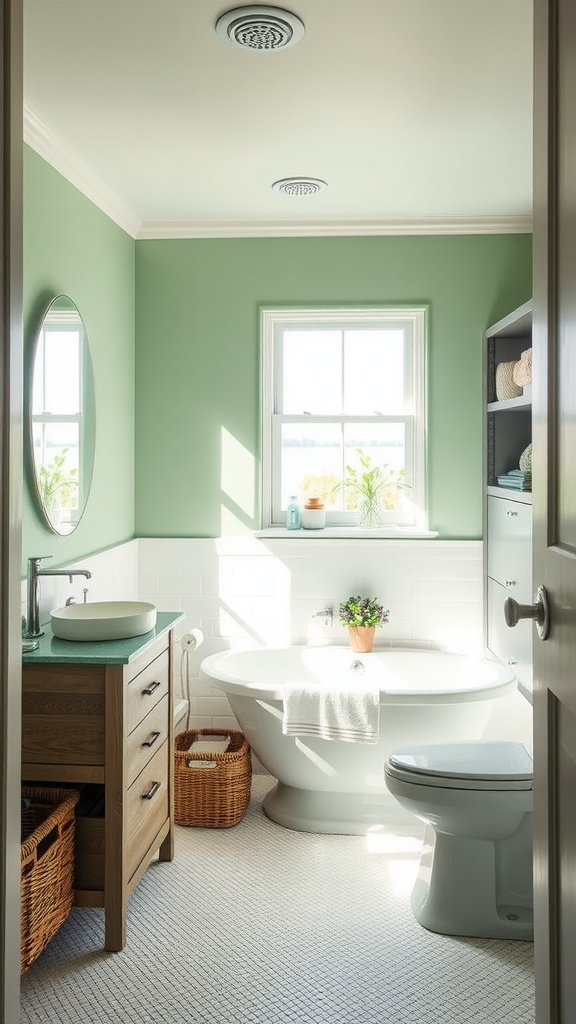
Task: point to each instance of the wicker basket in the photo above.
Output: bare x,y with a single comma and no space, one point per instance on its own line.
46,866
505,384
211,790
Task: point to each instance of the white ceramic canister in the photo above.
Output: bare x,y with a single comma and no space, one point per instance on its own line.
313,515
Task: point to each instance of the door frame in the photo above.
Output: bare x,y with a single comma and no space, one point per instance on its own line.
11,30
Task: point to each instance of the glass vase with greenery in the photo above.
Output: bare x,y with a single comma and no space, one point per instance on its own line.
58,486
372,489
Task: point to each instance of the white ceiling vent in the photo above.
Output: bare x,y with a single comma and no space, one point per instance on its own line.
299,186
260,28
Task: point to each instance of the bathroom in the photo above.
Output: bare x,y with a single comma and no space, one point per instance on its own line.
194,546
173,515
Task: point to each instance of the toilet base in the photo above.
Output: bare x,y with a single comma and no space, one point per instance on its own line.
476,887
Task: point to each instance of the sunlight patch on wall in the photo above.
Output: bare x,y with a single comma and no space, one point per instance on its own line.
254,589
238,467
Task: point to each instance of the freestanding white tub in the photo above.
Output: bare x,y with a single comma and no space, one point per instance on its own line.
426,696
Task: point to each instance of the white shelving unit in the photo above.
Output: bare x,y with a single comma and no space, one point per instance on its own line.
507,512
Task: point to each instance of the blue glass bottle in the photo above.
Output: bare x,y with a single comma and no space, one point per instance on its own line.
293,518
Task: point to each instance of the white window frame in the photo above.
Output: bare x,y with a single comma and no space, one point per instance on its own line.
413,320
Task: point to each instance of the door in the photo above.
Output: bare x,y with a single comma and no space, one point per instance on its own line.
554,411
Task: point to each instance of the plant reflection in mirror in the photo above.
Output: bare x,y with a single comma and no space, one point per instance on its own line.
58,485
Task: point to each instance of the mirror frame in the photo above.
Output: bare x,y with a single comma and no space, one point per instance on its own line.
58,519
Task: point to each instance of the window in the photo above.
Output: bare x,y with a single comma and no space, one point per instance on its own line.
343,392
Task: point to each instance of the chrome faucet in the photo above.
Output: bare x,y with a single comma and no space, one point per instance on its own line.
33,592
327,615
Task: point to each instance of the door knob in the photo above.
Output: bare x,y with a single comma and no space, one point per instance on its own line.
538,611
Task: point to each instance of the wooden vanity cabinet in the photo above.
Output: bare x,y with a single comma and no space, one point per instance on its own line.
109,724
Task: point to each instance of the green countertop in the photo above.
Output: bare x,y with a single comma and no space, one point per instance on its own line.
101,652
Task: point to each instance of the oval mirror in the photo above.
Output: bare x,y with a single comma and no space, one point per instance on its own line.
62,415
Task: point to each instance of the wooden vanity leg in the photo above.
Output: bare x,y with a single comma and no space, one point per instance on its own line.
115,881
166,849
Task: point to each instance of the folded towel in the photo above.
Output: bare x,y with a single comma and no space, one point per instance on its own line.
346,713
210,744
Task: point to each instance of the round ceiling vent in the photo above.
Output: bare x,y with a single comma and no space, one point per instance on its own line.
260,28
299,186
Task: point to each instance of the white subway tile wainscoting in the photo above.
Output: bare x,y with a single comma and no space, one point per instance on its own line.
246,591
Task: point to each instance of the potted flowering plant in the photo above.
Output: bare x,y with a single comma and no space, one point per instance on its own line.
361,615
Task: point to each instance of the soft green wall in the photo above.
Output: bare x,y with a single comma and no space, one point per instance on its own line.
197,365
71,247
193,306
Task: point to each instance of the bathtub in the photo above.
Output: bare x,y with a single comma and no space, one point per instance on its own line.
426,696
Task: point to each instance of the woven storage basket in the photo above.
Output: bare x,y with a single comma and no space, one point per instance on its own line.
522,372
46,866
525,460
211,790
505,384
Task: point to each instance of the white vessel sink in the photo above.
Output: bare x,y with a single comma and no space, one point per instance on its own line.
103,620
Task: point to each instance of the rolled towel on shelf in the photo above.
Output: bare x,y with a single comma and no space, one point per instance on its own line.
335,712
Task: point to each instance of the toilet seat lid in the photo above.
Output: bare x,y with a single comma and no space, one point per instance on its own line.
481,765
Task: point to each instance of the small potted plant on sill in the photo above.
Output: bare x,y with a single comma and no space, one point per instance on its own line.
361,615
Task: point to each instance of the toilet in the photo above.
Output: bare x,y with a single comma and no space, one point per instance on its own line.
475,875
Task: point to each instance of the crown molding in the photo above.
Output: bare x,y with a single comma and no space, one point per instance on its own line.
435,226
64,159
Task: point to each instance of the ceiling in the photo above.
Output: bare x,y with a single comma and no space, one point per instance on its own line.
416,113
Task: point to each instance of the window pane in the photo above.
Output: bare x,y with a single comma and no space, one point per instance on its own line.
316,456
311,373
56,384
374,372
312,460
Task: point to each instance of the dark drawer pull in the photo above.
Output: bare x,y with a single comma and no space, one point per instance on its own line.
151,739
152,791
150,689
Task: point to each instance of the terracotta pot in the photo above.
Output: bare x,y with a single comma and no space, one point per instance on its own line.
361,638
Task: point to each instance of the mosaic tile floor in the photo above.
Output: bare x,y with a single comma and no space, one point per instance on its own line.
261,925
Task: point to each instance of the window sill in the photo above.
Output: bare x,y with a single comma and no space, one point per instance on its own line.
349,532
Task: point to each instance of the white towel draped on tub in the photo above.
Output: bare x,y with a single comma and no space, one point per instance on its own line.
346,713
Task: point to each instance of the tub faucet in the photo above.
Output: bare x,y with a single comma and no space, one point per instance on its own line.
327,615
33,592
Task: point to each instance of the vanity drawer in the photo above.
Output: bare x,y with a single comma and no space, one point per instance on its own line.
146,739
510,546
141,663
147,806
146,690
